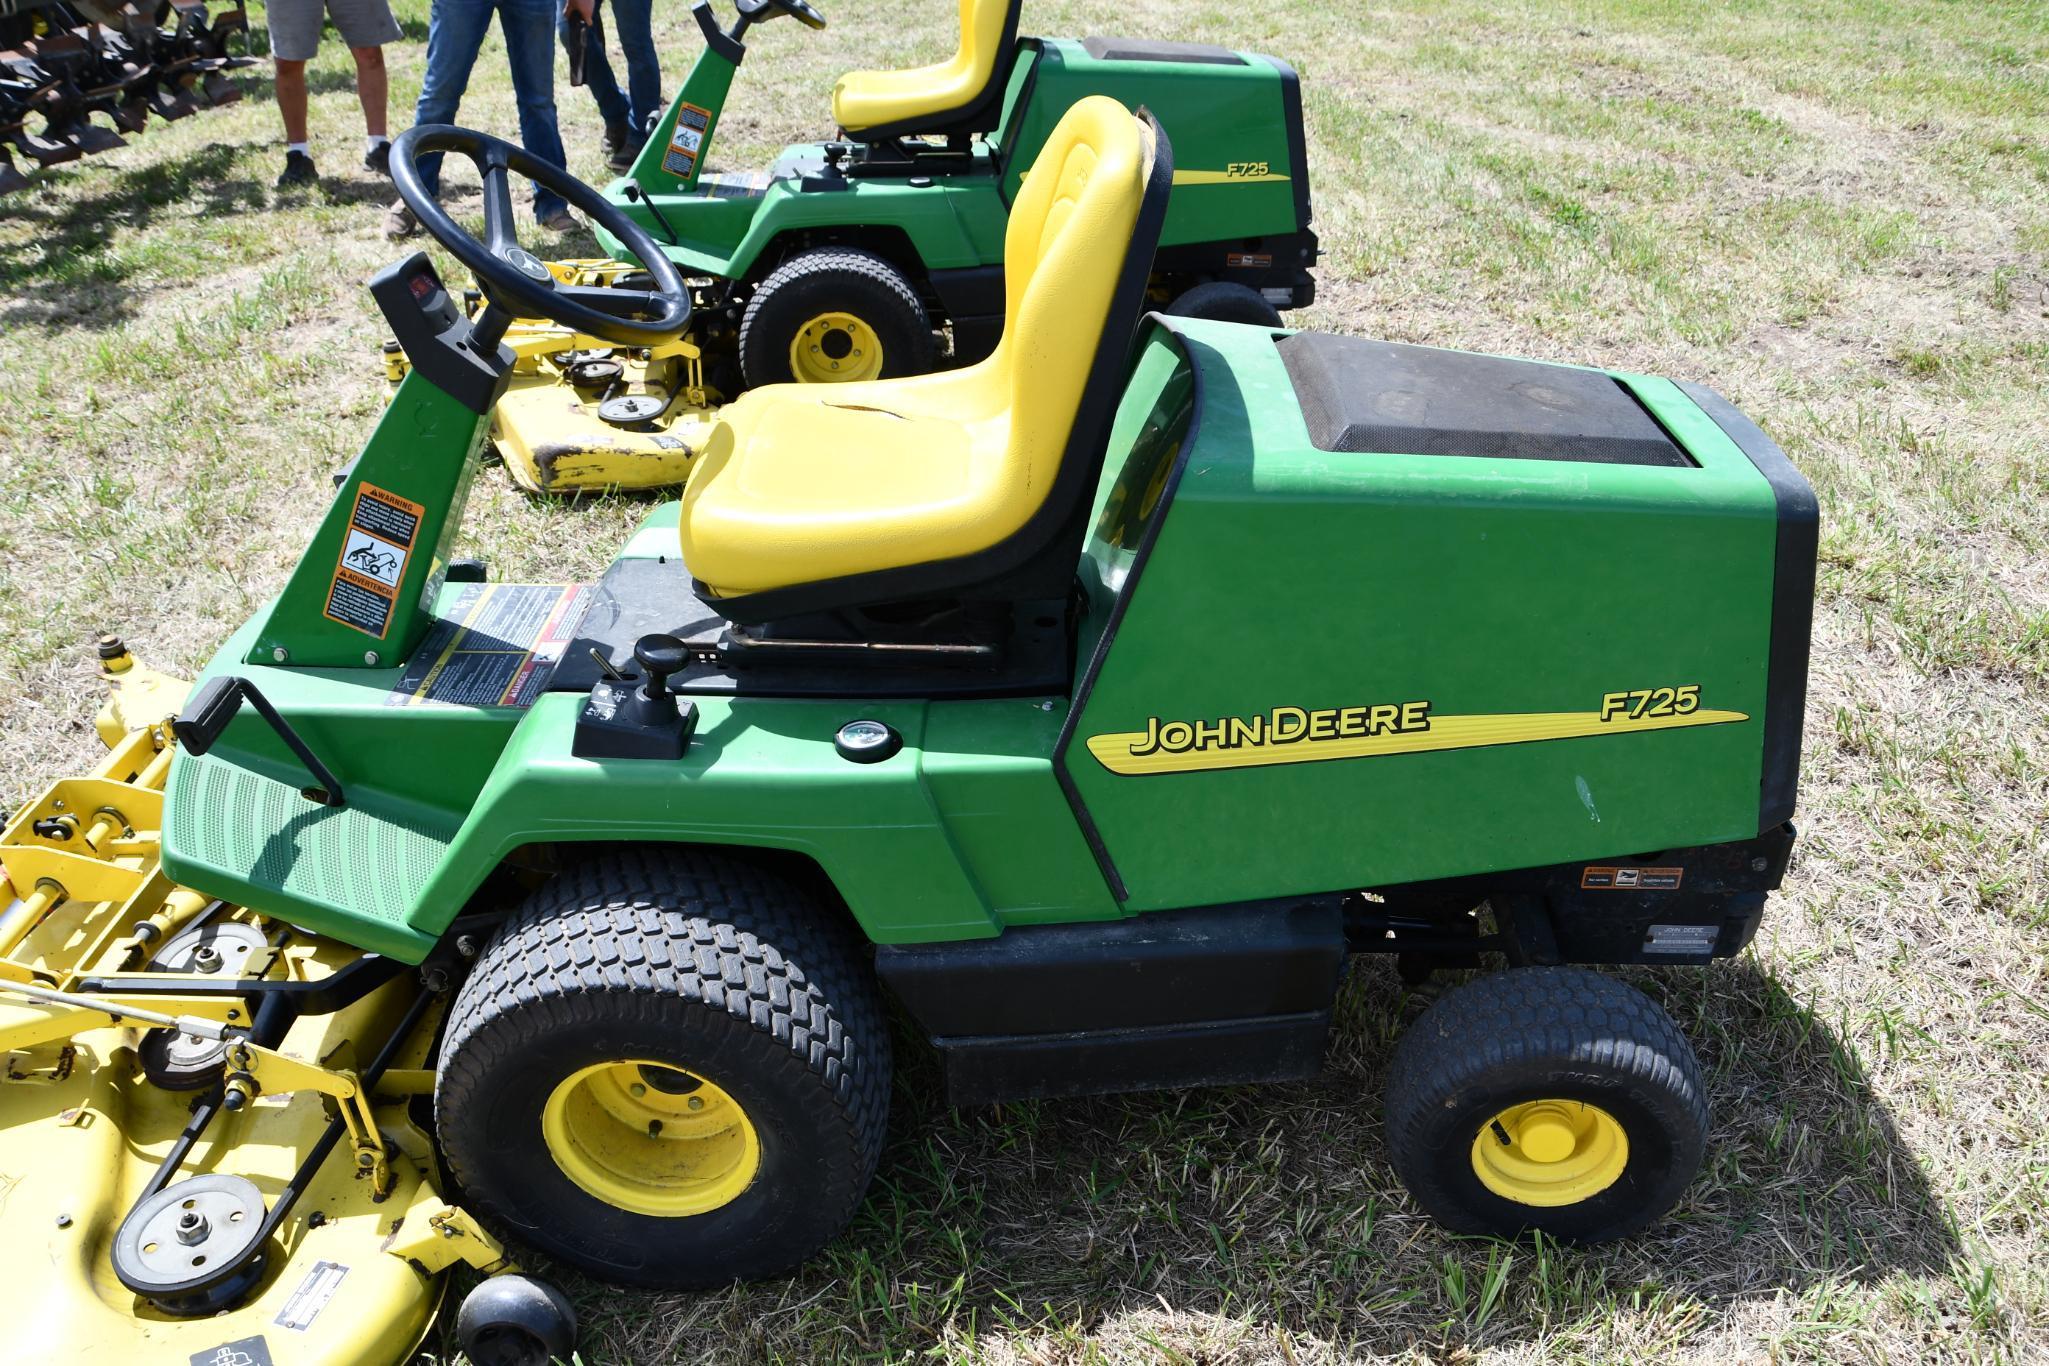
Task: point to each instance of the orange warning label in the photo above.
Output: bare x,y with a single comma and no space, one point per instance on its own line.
372,564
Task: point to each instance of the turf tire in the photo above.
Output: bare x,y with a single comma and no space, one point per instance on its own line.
715,964
1537,1033
1225,302
829,279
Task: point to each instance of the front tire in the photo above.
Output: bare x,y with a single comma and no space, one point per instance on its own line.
1550,1098
833,315
667,1071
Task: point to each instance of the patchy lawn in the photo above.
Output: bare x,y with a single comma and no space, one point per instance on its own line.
1837,214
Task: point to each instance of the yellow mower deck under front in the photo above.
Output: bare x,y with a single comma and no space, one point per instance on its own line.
102,942
548,427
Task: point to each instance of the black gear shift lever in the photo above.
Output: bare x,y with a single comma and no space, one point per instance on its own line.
661,657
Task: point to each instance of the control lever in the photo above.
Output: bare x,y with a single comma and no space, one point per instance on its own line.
638,718
216,702
640,196
662,657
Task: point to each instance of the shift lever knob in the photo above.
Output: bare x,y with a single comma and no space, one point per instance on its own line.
660,656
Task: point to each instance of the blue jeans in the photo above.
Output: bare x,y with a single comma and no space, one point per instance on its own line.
642,104
455,31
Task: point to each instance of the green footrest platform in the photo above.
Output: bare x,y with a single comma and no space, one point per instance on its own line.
352,872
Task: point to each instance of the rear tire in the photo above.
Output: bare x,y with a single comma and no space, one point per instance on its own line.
739,1014
1224,302
1603,1093
835,314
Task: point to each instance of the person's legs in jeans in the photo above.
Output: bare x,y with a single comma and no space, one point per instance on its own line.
597,73
530,48
455,30
632,20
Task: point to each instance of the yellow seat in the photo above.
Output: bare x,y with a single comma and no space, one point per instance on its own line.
843,483
928,99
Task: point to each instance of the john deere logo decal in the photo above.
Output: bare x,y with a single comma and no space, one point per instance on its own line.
1298,735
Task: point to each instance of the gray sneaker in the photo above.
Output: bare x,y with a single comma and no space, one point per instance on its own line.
399,222
562,220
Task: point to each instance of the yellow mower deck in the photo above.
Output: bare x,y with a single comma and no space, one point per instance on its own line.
354,1275
547,427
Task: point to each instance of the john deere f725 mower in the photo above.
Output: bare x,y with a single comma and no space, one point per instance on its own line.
852,260
1094,702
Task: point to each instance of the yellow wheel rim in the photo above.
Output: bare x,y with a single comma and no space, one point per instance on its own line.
833,348
650,1138
1550,1152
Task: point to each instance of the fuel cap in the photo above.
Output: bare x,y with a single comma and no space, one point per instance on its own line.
867,742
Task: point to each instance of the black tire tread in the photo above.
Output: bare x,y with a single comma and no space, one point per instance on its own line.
800,269
640,925
1525,1016
1225,301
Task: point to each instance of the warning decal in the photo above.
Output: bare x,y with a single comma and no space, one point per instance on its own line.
692,123
382,529
1632,879
311,1297
497,646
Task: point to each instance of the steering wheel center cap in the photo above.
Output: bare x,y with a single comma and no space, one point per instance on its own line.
526,263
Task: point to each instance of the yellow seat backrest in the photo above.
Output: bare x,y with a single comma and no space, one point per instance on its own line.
1062,254
826,484
875,99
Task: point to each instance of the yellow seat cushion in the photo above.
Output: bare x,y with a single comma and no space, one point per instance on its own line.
874,99
804,483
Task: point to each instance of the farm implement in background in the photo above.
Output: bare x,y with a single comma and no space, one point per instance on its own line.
64,63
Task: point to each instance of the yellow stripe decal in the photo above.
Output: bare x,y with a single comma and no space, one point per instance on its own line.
1225,178
1177,749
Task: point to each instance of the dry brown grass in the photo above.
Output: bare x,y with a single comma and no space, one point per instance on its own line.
1838,216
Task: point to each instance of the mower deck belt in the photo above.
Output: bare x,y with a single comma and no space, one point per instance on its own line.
1384,397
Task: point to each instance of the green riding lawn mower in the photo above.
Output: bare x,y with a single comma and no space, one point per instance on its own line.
1089,705
881,255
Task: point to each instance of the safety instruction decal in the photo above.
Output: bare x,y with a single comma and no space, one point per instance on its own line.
381,532
241,1352
496,646
687,141
311,1297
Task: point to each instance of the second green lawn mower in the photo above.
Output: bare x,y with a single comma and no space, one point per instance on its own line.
1095,701
881,255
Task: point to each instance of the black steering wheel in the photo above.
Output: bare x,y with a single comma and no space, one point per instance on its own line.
803,11
513,279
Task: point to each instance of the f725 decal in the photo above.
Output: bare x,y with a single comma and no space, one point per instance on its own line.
1640,704
1238,170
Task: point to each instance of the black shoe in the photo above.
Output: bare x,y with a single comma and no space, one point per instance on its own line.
378,159
298,171
624,156
616,135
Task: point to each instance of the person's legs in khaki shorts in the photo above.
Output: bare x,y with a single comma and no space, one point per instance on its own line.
365,25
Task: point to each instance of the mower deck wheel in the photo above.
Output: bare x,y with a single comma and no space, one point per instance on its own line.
668,1070
515,1320
833,315
1546,1098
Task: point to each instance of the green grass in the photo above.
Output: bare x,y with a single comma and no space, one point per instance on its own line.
1836,213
